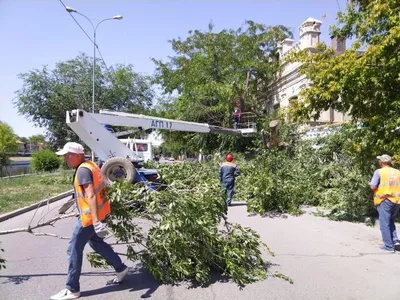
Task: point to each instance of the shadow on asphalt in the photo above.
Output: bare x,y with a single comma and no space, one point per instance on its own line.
137,279
275,214
238,204
269,214
214,278
218,277
18,279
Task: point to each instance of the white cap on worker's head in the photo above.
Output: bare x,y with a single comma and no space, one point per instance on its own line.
384,158
71,147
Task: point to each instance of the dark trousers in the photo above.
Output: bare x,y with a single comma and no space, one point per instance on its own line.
236,122
229,186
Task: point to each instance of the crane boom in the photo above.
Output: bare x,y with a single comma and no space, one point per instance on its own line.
88,126
147,122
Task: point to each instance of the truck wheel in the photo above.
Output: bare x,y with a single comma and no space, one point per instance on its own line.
118,169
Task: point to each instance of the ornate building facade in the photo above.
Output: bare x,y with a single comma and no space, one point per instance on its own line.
290,82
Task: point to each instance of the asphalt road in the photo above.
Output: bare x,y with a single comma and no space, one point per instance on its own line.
325,259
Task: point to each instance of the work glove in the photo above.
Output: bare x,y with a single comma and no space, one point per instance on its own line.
100,229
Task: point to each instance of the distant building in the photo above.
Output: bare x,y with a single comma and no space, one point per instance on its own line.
289,82
28,148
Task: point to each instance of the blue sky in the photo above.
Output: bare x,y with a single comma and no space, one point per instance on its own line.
34,33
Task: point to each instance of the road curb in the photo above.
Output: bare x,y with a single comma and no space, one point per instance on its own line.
33,206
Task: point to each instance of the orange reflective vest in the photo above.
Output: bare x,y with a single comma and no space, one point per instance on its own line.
389,186
103,205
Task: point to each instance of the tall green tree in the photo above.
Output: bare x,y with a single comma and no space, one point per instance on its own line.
213,71
364,81
46,94
37,139
23,139
8,143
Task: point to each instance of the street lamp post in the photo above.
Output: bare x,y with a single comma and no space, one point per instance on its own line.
117,17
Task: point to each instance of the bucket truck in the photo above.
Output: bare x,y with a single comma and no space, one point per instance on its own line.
120,162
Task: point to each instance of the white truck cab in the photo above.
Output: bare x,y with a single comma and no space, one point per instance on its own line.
142,148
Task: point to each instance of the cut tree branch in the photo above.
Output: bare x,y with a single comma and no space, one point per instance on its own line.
30,228
50,234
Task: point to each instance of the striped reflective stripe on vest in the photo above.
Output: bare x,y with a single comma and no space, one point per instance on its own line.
390,184
83,195
385,195
87,211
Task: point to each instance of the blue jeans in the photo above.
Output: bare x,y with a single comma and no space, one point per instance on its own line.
229,187
387,213
80,237
99,163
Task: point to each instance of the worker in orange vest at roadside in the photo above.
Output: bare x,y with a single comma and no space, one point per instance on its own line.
93,207
227,173
386,186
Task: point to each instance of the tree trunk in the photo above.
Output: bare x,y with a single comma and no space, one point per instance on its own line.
273,125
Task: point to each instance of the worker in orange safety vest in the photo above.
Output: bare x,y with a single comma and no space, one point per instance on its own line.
93,207
386,186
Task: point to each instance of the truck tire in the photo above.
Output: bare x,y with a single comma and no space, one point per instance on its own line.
118,169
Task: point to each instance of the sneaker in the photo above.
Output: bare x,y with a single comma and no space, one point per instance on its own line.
121,275
384,248
397,246
65,295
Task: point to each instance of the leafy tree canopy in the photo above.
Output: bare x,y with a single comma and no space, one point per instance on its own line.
364,81
8,143
46,94
23,139
37,139
213,71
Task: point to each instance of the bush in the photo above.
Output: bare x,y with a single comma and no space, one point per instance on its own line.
63,164
334,177
8,143
279,180
45,161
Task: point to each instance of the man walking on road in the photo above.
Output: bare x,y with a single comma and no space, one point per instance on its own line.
227,173
386,186
93,207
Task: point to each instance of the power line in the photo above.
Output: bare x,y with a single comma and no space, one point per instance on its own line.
338,5
97,47
104,62
77,23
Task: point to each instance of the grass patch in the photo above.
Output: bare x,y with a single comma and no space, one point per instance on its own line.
22,191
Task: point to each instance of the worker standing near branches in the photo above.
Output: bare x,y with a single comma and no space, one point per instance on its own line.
93,206
227,174
386,186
